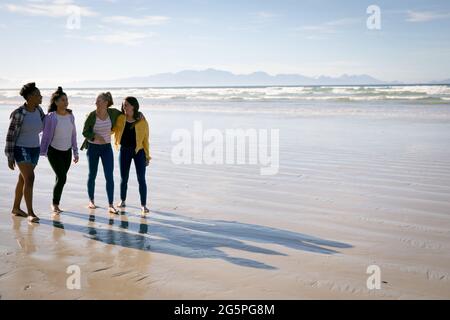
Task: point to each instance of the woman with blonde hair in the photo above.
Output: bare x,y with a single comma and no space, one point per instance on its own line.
97,132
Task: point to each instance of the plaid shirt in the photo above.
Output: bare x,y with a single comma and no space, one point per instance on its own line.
16,121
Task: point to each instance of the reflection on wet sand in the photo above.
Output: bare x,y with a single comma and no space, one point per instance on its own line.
25,240
106,267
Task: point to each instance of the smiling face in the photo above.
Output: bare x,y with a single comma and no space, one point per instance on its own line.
128,108
35,98
101,103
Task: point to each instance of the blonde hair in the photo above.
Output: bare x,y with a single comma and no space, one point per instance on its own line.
107,97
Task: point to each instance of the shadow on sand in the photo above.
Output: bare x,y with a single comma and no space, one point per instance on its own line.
174,234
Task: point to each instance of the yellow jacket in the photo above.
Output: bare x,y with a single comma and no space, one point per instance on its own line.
142,134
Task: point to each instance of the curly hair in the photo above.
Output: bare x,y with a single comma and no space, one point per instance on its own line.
27,90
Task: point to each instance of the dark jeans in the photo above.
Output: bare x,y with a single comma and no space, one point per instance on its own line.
127,155
105,153
60,163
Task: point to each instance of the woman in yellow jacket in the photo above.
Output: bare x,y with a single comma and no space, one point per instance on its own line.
132,138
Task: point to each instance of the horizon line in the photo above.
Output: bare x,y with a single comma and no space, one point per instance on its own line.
247,86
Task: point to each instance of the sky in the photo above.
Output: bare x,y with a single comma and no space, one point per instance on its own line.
73,40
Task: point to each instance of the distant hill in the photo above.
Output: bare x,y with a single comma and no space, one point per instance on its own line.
213,77
446,81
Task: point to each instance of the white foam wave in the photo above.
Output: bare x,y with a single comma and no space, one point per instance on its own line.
305,93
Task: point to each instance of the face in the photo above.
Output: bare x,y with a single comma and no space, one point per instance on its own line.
35,98
62,102
128,109
101,103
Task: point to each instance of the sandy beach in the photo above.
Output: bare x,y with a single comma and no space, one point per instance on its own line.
353,190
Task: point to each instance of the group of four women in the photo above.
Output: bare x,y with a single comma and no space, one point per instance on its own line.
59,141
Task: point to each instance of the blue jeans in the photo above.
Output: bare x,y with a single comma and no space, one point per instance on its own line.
127,155
105,153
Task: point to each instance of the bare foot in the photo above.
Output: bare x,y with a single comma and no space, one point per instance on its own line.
113,210
56,209
121,204
92,205
145,209
19,213
33,218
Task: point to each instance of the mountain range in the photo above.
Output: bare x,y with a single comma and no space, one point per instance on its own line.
214,77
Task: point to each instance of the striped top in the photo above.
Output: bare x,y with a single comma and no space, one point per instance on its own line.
103,128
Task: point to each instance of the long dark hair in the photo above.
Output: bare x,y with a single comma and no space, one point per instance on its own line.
55,96
133,101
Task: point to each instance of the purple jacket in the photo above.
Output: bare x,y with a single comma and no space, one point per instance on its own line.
50,122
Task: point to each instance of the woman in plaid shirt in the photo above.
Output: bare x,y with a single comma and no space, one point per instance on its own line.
23,147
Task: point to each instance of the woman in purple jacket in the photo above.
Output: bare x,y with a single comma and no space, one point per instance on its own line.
59,139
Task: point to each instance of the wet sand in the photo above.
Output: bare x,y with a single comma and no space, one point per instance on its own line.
350,193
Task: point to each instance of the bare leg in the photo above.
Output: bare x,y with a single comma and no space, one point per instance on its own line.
27,172
18,198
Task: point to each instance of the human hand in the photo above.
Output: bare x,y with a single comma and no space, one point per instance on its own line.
99,139
11,164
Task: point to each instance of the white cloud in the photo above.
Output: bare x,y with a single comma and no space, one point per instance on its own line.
121,37
265,15
54,8
424,16
329,27
137,22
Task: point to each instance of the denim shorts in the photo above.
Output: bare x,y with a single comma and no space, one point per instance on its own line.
26,155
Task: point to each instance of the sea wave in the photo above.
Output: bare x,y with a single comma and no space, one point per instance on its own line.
425,93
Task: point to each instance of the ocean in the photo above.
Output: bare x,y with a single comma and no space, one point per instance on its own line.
412,101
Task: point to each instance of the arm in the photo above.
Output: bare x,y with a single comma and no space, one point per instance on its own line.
147,142
88,129
117,113
46,136
114,115
74,139
11,140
